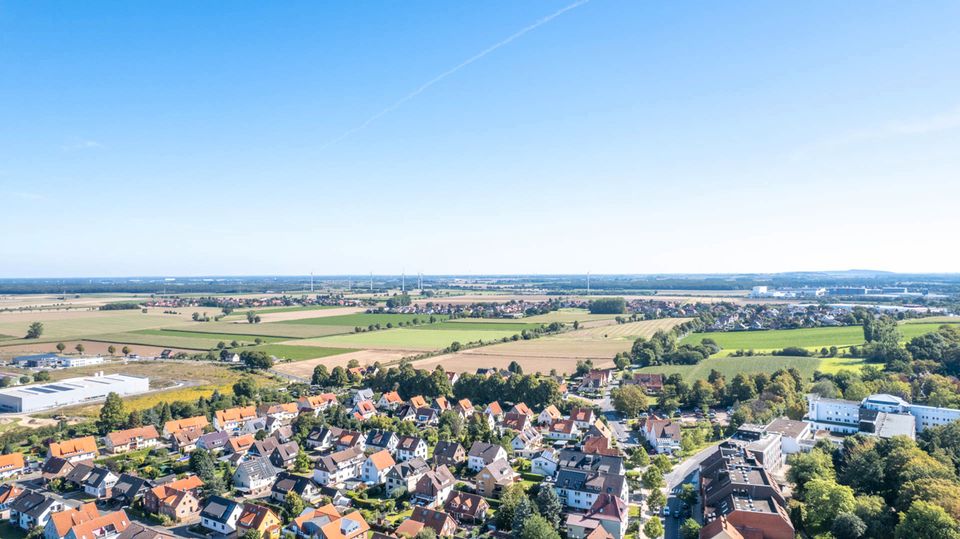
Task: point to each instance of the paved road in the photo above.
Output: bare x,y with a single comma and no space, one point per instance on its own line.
685,472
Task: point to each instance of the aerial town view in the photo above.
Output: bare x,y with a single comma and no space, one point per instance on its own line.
553,269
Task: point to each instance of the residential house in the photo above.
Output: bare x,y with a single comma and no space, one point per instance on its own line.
60,522
389,401
316,404
438,521
122,441
176,500
139,531
382,439
598,428
8,493
322,438
285,412
548,415
129,488
572,459
233,419
596,380
326,523
449,453
375,468
522,408
545,463
418,401
11,465
434,487
495,410
255,476
364,410
464,408
259,519
608,512
482,453
191,423
107,526
405,412
426,416
527,442
99,483
663,435
288,482
338,467
406,474
241,444
583,417
411,447
360,395
74,450
651,383
515,421
580,489
440,404
252,426
564,429
284,455
55,467
185,441
494,478
213,442
348,439
220,515
598,445
466,508
31,509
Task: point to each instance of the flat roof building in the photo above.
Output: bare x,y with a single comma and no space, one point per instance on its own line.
33,397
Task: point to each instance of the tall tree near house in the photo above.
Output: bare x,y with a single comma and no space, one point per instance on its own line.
537,527
549,504
112,415
35,330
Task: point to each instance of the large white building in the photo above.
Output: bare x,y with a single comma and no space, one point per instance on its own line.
880,414
33,397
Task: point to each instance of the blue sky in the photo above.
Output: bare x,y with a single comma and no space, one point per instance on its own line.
619,137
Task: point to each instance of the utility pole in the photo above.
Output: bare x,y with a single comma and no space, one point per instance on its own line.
311,282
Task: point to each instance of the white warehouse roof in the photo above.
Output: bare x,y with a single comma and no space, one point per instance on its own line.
70,391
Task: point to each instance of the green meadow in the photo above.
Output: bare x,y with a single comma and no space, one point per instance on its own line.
409,339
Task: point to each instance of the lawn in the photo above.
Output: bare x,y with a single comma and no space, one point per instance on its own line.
731,366
362,319
299,353
810,338
420,339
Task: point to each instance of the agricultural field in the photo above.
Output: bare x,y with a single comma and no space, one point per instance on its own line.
810,338
63,325
363,319
421,339
91,348
629,330
731,366
308,314
304,369
270,329
566,316
465,324
225,337
299,353
163,340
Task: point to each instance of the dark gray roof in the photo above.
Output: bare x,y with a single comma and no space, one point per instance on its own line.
218,508
578,460
258,468
32,503
287,482
129,486
599,483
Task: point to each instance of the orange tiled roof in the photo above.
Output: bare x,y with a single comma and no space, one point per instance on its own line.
76,446
236,414
382,459
64,520
176,425
418,402
117,520
123,437
13,461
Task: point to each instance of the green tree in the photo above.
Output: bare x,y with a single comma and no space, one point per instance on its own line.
848,526
112,414
202,464
830,500
35,330
42,376
629,400
656,500
251,317
688,494
927,521
806,467
125,350
549,504
111,349
653,528
537,527
256,359
426,533
246,386
252,534
690,529
321,376
61,347
293,504
652,478
301,464
79,348
338,377
509,499
521,512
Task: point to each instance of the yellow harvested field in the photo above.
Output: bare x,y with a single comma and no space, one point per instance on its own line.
304,369
61,325
301,315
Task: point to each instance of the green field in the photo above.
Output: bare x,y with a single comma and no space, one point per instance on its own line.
162,340
94,324
731,366
299,353
810,338
408,339
362,319
567,316
467,324
225,337
266,329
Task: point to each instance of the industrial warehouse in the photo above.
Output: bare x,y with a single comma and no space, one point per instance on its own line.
30,398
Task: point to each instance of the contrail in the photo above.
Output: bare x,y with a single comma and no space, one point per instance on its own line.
425,86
